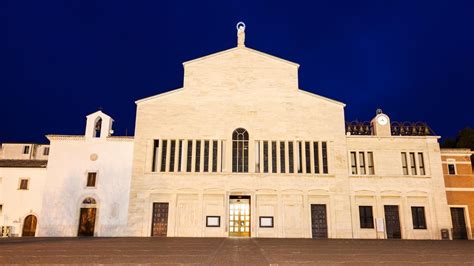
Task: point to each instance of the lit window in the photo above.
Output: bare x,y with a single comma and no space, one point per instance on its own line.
240,151
23,184
418,215
91,179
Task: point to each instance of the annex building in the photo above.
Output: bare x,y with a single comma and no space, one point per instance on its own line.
241,150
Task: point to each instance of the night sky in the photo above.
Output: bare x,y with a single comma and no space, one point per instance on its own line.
61,60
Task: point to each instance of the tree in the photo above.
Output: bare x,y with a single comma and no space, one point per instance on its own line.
464,139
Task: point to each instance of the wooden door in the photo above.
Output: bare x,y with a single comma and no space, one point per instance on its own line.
392,221
29,226
459,223
319,222
159,223
87,222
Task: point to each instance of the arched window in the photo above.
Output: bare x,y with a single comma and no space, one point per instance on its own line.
89,200
97,128
240,151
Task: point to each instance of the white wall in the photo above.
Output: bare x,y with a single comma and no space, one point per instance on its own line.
71,158
17,204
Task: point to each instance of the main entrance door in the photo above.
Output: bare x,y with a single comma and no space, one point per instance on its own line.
459,223
87,222
239,216
319,222
392,221
29,226
159,223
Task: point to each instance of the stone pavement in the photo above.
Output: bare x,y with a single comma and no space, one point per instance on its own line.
233,251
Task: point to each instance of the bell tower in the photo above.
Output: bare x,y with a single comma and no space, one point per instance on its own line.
381,124
98,126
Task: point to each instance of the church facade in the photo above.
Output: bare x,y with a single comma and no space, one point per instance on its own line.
241,150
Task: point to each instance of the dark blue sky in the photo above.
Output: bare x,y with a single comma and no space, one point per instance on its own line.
61,60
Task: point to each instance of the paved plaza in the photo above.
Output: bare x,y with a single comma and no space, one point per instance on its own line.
232,251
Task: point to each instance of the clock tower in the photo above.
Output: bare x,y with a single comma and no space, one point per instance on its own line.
381,124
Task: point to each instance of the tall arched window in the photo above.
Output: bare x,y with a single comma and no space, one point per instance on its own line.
97,128
240,151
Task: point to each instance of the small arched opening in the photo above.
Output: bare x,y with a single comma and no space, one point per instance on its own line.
97,127
29,225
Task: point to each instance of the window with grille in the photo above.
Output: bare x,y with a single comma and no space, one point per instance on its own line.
412,163
418,215
354,163
282,157
163,155
197,166
366,217
206,156
240,151
404,163
325,157
421,162
274,157
265,156
172,155
316,157
214,156
370,163
190,156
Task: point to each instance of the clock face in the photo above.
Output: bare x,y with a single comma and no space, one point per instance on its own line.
382,120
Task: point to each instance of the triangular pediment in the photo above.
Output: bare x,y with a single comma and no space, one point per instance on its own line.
236,49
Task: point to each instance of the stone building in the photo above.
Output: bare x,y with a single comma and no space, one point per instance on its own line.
87,184
241,150
459,180
22,178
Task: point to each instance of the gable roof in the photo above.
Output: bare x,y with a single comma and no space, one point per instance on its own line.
23,163
100,113
207,57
